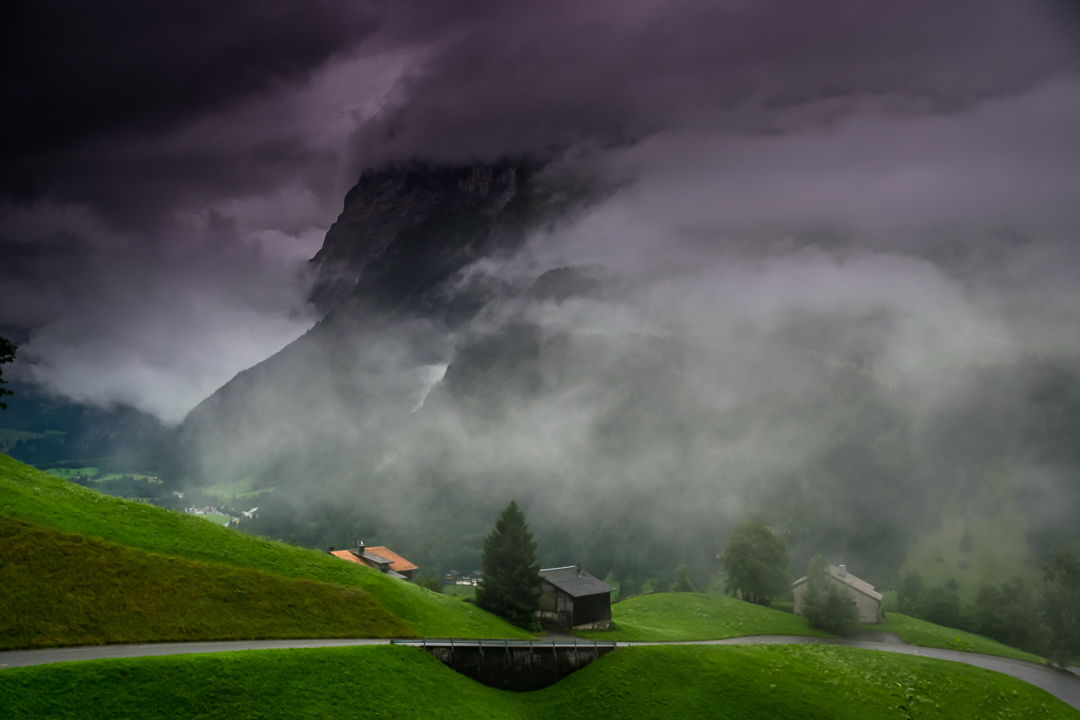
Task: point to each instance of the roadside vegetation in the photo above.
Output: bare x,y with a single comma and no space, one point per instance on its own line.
62,589
641,682
675,617
920,632
40,499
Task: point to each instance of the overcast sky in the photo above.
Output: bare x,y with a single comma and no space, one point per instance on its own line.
168,167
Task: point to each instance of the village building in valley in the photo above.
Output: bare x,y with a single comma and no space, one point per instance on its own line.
866,600
380,558
572,598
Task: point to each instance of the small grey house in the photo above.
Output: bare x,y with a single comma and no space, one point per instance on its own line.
866,599
572,598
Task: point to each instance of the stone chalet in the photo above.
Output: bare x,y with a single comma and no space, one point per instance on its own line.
865,598
571,598
380,558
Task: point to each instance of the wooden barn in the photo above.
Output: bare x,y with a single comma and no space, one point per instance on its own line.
572,598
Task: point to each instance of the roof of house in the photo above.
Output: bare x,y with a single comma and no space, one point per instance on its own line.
397,563
851,581
574,582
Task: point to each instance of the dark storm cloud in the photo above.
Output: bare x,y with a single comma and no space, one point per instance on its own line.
530,78
157,158
75,72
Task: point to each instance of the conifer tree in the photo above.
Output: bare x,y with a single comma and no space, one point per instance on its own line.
510,583
7,354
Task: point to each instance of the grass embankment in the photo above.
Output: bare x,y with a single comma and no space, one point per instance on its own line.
920,632
40,499
61,589
677,617
643,682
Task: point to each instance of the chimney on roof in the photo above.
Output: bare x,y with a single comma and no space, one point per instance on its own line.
331,548
578,569
843,571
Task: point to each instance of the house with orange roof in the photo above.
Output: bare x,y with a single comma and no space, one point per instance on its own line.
380,558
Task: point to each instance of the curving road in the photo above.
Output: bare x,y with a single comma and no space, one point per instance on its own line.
1060,683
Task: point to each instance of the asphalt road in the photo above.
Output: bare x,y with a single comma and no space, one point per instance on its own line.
1062,684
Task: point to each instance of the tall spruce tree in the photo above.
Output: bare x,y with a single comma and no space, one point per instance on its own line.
510,584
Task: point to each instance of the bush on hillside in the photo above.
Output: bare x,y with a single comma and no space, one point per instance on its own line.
683,583
430,582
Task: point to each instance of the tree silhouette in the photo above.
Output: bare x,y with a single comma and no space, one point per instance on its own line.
7,354
510,583
756,563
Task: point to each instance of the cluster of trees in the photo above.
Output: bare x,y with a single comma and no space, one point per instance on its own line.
1044,620
757,570
7,354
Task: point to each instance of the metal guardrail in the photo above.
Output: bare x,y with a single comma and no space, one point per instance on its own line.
495,643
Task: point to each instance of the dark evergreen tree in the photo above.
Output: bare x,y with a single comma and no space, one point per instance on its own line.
510,583
910,592
1061,605
7,354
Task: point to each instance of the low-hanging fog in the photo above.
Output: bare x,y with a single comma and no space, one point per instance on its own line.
844,331
817,266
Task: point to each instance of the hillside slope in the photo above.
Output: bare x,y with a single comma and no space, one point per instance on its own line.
641,682
677,617
62,589
40,499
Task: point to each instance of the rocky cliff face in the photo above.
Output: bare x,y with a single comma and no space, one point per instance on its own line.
388,205
404,236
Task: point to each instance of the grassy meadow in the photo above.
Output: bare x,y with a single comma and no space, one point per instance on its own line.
744,683
62,589
920,632
680,617
38,498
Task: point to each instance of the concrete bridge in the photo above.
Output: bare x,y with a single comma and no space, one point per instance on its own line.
518,665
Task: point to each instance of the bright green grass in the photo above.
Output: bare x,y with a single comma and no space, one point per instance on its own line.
41,499
673,617
215,518
920,632
240,488
459,591
746,683
64,589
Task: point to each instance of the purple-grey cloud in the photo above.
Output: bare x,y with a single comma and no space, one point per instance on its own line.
162,165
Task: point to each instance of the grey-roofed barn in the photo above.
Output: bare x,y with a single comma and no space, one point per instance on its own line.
573,598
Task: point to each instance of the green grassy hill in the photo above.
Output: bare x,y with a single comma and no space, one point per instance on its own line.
920,632
64,589
40,499
676,617
685,617
747,683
